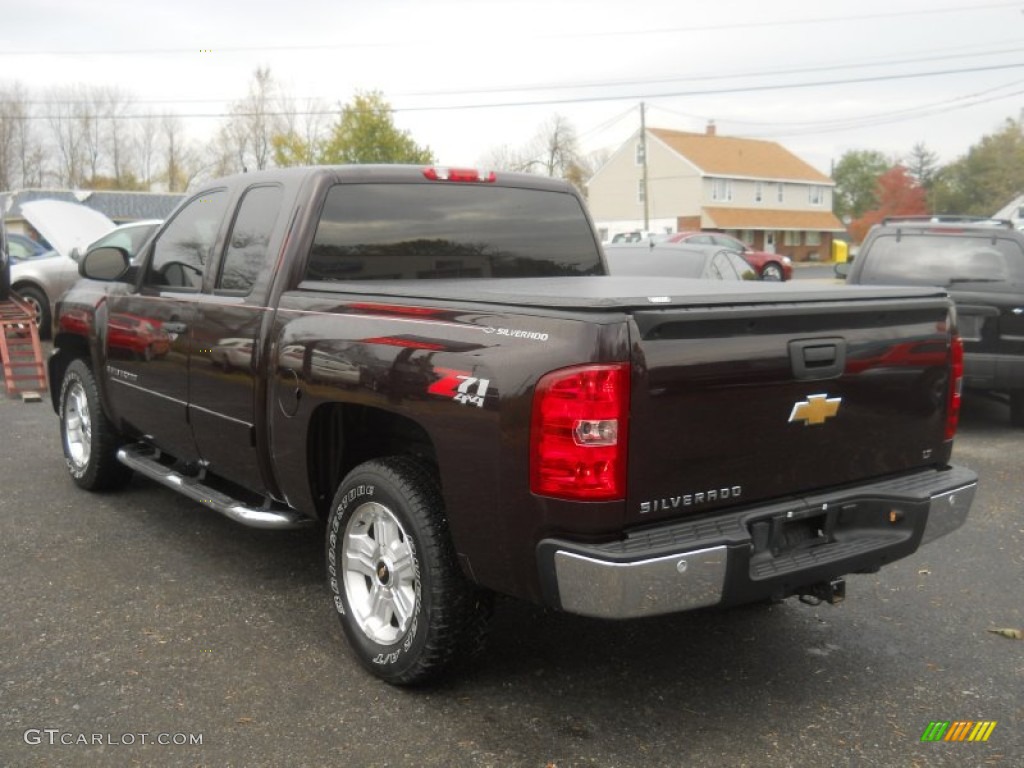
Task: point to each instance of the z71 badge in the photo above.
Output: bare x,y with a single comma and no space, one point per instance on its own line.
460,386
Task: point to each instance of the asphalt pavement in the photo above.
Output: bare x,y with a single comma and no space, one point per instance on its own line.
138,628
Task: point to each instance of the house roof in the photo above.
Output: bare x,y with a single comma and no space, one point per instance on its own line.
120,207
767,218
747,158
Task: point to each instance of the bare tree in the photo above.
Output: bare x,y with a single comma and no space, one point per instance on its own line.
556,147
553,151
145,139
13,116
65,127
32,154
22,156
183,162
245,141
505,158
303,132
173,133
923,164
87,109
118,107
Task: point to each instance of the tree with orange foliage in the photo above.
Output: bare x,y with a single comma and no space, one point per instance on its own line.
898,194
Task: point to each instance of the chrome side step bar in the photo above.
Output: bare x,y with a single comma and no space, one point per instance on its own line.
141,459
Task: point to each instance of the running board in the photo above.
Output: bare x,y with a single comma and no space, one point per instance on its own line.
140,459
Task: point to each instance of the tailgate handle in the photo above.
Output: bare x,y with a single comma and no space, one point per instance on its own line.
818,358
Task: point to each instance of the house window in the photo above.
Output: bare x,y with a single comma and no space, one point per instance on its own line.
815,195
759,192
641,191
721,189
780,192
813,238
791,238
639,155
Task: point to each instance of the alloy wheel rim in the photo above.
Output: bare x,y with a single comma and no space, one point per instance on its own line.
380,573
35,306
78,425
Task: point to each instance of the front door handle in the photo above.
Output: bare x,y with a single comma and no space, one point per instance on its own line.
175,327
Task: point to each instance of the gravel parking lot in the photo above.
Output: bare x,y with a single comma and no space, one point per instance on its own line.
137,623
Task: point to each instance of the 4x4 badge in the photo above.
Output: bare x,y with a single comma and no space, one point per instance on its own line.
815,409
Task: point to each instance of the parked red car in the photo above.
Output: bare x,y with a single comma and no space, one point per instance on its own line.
769,266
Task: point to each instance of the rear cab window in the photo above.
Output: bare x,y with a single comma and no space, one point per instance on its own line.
435,231
943,259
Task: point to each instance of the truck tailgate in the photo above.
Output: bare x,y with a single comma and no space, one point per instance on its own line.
735,404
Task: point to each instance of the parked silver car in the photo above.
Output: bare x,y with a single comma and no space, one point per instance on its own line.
72,230
707,262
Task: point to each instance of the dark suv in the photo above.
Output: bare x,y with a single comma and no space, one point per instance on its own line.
981,263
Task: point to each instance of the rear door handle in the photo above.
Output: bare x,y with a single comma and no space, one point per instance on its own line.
175,327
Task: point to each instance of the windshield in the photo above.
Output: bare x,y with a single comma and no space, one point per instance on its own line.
943,259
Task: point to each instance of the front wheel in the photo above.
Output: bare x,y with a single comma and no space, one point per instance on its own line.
771,271
89,439
406,608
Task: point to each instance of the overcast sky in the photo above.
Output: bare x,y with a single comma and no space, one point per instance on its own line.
467,76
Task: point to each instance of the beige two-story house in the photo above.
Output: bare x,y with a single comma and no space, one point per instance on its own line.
755,190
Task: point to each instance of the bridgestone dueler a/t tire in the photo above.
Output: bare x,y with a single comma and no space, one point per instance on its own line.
406,608
88,438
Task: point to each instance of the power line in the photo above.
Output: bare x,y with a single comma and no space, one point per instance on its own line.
852,122
715,92
920,56
709,78
549,102
896,119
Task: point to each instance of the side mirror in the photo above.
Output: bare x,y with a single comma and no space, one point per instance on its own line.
108,264
842,269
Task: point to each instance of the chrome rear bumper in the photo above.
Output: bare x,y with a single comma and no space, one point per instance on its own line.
869,526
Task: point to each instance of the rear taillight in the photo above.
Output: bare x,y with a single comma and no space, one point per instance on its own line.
956,383
460,174
579,433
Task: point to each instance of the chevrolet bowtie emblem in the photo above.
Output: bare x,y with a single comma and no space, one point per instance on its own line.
815,409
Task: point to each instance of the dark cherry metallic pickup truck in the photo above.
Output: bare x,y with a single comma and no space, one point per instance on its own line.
434,364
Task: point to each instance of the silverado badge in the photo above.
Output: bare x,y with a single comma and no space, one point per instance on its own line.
815,409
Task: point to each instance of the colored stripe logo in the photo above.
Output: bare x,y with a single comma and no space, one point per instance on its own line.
958,730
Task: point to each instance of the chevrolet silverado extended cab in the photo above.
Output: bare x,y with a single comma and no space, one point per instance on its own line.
435,365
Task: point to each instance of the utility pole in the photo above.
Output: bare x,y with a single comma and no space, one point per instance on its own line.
643,151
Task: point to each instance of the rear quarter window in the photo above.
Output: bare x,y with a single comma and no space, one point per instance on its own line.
942,259
435,231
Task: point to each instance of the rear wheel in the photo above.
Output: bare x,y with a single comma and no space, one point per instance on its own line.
1017,407
406,608
89,439
771,271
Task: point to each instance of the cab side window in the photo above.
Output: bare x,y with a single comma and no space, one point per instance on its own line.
185,248
249,243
